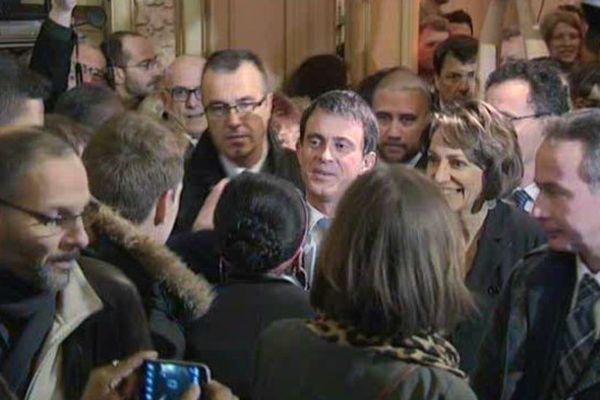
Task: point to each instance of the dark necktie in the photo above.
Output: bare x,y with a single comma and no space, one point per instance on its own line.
578,338
521,198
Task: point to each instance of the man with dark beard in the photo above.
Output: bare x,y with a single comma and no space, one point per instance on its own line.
59,314
134,69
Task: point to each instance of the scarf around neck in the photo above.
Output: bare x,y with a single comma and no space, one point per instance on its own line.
33,312
430,350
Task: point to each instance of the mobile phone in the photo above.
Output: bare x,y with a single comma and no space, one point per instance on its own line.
170,379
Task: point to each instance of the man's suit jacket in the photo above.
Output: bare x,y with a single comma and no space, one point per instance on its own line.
204,171
519,356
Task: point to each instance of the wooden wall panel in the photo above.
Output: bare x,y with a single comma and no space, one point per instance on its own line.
357,32
217,18
282,32
381,34
309,30
259,25
384,37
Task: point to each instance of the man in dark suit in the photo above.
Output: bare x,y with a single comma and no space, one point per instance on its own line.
544,341
237,101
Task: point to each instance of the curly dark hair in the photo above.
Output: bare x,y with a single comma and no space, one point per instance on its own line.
260,222
548,92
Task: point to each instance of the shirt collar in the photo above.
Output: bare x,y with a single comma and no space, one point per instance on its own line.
583,269
233,170
314,216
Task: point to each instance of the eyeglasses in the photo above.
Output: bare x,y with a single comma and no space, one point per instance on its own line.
146,64
221,110
97,74
513,118
180,93
53,224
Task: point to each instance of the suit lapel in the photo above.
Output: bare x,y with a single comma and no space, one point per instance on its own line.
485,276
591,375
549,300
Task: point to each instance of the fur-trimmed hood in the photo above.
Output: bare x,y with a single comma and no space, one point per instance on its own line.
157,260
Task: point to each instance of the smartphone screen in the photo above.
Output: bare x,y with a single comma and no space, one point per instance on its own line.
169,379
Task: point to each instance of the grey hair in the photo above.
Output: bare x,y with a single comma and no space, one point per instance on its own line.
230,60
346,104
582,126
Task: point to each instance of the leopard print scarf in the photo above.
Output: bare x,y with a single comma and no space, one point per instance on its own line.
430,350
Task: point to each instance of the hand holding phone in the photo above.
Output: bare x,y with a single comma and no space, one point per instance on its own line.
170,379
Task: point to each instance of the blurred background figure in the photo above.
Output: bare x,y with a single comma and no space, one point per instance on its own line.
317,75
563,33
285,120
584,82
461,23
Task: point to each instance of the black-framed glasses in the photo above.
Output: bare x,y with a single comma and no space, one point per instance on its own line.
514,118
53,224
221,110
146,64
182,94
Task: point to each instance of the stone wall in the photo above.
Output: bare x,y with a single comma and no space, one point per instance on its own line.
155,19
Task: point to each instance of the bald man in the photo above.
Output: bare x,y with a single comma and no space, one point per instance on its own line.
402,104
181,95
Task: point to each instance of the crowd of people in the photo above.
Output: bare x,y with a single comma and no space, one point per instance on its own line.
423,235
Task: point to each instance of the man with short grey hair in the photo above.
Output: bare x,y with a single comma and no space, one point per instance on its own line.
237,101
544,340
338,139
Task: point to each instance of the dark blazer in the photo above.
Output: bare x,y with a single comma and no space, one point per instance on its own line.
508,235
226,337
118,330
518,358
204,171
51,57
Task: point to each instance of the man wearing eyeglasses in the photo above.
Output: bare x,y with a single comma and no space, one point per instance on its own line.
134,69
455,65
237,101
528,93
60,314
181,96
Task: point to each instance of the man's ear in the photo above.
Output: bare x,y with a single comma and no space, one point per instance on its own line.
161,207
369,161
298,149
436,81
119,74
164,98
269,102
